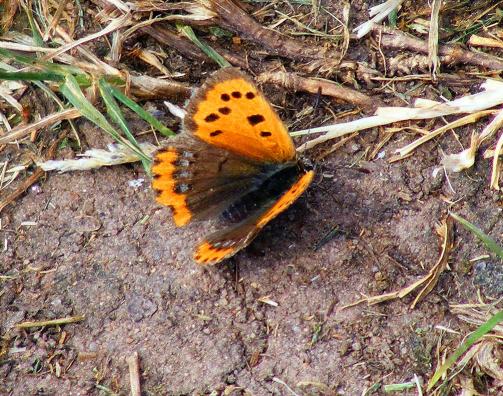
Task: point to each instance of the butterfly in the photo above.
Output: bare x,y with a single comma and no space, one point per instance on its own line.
235,158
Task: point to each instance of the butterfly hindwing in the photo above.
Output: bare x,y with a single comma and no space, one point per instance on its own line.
229,111
224,244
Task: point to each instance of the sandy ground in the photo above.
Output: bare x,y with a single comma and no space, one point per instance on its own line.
95,246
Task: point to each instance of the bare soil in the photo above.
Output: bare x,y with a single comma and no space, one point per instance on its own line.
103,249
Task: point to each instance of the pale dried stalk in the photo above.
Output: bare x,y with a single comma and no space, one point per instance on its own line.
55,20
111,27
433,58
466,158
26,48
96,158
496,169
469,119
478,41
134,374
428,281
490,97
378,13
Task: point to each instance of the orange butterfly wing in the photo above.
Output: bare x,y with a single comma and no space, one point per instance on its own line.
224,244
230,112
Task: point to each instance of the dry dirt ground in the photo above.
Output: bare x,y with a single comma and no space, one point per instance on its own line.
95,246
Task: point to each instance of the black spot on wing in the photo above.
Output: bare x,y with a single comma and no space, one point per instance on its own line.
212,117
265,133
215,133
236,94
224,110
225,97
250,95
255,119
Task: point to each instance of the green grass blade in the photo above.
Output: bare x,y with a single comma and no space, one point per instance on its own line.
30,76
145,115
117,116
393,18
399,387
490,243
63,70
71,90
472,339
37,37
214,55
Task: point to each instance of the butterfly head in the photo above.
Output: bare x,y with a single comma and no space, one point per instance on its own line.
306,164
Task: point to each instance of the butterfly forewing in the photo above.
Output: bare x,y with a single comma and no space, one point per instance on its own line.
230,112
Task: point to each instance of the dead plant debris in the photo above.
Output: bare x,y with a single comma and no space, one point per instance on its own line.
431,72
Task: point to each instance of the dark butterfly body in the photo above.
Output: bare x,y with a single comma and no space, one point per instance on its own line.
234,159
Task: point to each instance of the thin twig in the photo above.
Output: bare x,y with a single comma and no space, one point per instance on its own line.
234,18
296,83
134,374
52,322
450,54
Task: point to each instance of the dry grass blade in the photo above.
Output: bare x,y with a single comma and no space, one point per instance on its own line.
469,119
25,47
114,25
55,20
7,16
444,230
433,59
477,314
478,41
24,130
428,281
466,158
424,109
97,158
496,168
378,13
37,174
5,94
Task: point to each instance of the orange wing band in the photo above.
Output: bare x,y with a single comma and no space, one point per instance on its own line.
287,199
165,185
209,254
